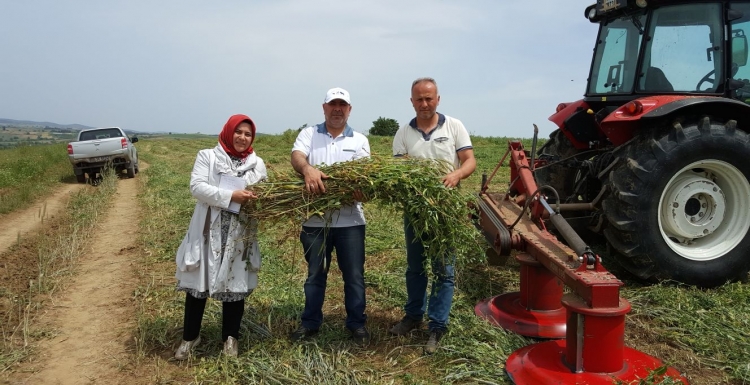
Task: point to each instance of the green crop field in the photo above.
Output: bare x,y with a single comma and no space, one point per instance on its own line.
705,334
688,328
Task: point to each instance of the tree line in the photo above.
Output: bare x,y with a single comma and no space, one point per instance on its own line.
380,127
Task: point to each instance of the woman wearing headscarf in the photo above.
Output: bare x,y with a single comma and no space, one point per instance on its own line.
219,256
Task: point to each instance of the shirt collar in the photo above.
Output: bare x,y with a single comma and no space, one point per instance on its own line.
348,131
441,120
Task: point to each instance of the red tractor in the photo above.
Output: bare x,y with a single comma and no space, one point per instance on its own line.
656,156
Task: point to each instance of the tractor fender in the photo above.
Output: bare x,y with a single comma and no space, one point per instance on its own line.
566,111
707,105
621,125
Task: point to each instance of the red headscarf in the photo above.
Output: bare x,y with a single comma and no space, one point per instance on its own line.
227,135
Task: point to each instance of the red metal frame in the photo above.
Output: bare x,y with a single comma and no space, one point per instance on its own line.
535,311
620,126
559,119
591,317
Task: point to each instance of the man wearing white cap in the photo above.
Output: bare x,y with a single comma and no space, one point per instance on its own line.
344,230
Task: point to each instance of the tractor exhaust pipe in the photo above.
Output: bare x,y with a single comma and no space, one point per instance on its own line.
533,147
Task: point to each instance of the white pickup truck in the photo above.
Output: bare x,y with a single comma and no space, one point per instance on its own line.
102,147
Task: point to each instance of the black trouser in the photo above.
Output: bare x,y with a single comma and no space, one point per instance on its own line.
231,317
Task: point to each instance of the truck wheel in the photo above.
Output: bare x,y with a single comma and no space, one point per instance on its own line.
131,171
680,203
81,178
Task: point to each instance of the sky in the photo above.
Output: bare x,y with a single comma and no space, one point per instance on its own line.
187,65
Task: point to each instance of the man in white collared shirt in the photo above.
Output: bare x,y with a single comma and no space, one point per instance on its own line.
327,143
430,135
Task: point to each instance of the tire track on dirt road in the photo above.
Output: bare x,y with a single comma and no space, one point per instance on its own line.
21,222
93,318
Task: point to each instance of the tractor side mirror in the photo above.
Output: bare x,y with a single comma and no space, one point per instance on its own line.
739,48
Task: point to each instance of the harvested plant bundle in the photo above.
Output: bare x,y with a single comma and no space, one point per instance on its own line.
440,215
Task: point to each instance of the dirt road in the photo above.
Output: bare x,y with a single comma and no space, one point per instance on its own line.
93,317
16,224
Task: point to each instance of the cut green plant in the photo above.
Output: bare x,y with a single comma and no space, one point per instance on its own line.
440,216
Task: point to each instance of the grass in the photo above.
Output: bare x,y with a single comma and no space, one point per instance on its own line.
29,172
707,326
705,322
703,333
274,308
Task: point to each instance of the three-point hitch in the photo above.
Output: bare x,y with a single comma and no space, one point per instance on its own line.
586,325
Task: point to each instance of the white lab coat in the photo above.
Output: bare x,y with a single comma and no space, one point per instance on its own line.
199,262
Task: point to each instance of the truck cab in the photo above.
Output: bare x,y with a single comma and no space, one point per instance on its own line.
98,148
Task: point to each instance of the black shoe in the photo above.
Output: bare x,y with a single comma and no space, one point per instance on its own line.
432,343
361,336
302,333
406,325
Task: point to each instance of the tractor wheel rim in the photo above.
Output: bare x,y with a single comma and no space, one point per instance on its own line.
694,206
703,210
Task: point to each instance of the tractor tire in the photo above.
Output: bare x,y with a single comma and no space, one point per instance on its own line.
559,177
81,178
679,207
563,179
131,171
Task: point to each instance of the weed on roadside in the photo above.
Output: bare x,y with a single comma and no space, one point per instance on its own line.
28,172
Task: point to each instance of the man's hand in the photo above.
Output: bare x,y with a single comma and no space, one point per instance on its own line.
468,165
313,177
452,179
314,180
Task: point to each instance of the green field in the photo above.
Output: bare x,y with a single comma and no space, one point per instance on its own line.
694,325
705,334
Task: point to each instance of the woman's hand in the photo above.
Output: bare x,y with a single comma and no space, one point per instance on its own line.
242,196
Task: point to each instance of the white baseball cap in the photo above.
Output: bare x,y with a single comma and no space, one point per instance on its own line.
337,93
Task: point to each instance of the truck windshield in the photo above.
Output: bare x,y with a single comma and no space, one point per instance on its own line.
100,134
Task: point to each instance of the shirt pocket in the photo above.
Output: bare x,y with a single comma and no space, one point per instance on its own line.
349,153
444,148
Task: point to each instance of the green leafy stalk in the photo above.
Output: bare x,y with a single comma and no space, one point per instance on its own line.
441,216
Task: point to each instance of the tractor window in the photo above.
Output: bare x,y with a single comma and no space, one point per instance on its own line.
740,65
615,57
684,53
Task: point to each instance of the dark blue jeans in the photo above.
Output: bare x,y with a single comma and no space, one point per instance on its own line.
441,295
318,244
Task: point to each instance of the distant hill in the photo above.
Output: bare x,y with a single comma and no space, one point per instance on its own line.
26,125
17,123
